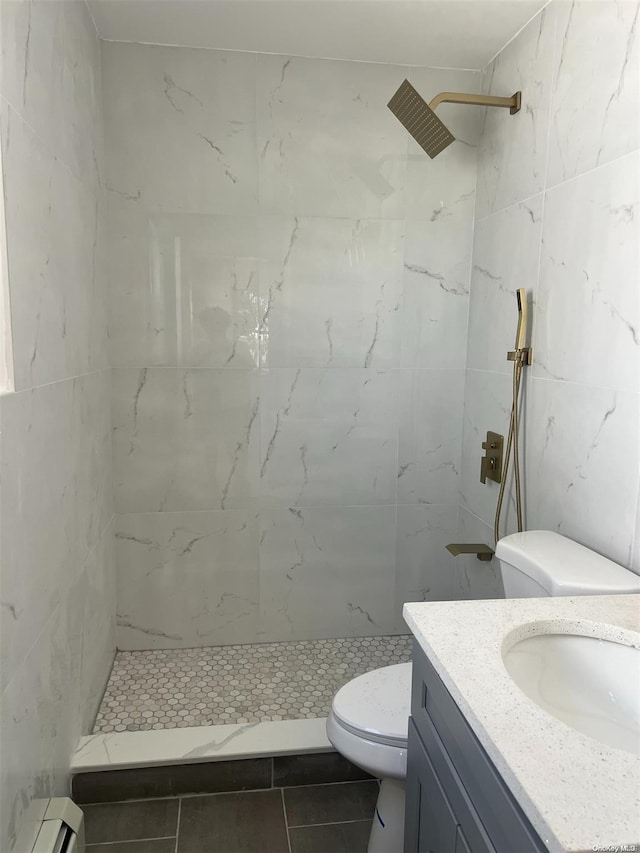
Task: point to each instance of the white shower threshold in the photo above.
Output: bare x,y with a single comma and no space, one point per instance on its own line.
122,750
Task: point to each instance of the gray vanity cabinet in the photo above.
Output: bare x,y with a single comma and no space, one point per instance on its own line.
457,801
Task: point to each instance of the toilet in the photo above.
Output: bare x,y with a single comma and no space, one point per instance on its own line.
368,722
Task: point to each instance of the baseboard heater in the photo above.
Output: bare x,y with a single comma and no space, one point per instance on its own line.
62,829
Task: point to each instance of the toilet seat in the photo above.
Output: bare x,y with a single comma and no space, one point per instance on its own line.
376,706
369,721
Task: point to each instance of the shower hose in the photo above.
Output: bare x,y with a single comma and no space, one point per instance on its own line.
519,360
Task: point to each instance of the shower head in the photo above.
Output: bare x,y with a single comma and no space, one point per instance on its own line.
423,124
420,120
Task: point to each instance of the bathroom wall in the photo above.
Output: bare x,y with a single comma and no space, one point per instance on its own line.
557,213
289,291
56,533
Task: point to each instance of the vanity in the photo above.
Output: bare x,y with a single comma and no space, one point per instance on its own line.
515,741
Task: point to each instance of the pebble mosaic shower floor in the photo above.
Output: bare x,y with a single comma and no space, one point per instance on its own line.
176,688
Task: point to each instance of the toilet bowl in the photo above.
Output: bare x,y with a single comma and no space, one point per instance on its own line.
368,724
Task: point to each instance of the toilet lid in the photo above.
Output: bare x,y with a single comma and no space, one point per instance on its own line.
377,705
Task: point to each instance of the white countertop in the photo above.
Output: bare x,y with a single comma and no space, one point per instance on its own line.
578,793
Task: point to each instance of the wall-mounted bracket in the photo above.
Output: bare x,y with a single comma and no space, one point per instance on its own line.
482,552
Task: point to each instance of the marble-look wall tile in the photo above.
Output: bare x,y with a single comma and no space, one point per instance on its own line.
588,318
595,98
53,224
55,500
187,579
183,288
506,250
584,464
330,291
513,150
436,290
472,578
328,437
430,435
327,145
58,577
327,572
579,427
50,74
184,439
180,127
338,303
424,569
53,696
98,605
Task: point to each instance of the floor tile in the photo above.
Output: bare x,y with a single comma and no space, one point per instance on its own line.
291,770
149,782
158,845
331,838
233,823
313,804
173,688
130,821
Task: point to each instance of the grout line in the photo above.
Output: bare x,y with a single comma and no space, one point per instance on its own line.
273,770
333,823
178,822
286,820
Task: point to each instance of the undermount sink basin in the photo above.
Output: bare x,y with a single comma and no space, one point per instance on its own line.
590,684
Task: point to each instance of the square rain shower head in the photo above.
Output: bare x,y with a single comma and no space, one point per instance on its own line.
420,120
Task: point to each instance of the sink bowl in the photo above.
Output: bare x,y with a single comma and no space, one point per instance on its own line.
590,684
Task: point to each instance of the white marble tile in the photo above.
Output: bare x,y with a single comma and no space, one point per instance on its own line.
39,720
473,578
200,104
584,465
424,569
187,579
506,251
445,186
200,743
327,572
487,406
50,73
99,625
328,437
435,299
53,226
430,435
184,439
31,62
513,150
330,292
56,500
588,317
327,144
594,113
183,288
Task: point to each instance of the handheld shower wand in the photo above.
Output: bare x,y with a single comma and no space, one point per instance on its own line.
521,356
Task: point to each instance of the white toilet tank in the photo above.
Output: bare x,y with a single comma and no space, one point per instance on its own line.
540,563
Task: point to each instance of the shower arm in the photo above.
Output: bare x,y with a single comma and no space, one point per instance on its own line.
513,103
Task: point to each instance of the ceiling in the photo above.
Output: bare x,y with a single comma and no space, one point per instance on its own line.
445,33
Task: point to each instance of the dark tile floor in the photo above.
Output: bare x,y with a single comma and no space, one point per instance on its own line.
288,813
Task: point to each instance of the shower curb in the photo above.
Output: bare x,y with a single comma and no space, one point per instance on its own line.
195,744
